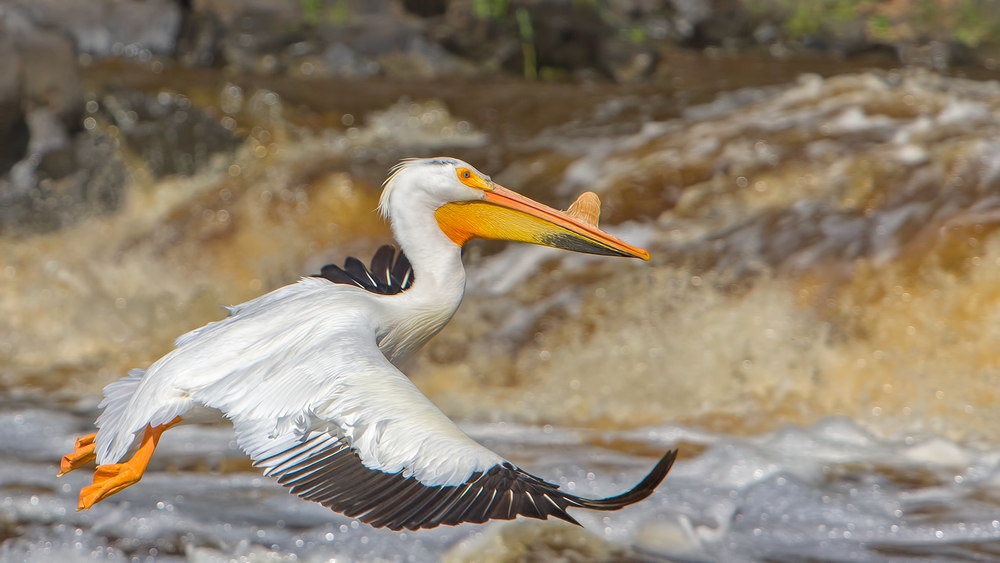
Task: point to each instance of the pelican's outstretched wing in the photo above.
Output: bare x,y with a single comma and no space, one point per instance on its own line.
376,449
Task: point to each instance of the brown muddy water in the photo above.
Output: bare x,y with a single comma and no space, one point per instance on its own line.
817,330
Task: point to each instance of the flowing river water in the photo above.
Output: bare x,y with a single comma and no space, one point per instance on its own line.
817,329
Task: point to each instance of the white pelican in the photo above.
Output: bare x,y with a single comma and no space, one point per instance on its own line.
306,372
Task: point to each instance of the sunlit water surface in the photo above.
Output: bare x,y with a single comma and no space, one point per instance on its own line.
829,492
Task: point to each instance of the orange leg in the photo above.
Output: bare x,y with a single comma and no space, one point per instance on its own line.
110,479
83,453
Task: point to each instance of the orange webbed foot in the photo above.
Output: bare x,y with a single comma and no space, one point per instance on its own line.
112,478
108,480
83,453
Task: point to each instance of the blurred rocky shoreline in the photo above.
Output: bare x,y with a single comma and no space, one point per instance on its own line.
53,169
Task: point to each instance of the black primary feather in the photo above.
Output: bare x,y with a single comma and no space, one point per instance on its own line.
385,276
326,470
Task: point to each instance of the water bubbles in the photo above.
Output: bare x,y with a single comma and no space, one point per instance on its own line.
231,100
234,170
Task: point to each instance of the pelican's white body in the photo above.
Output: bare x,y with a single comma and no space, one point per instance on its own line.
316,355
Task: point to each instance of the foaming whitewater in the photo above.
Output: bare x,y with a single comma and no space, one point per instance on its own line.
828,492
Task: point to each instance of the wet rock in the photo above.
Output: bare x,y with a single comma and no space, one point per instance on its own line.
50,76
566,37
690,13
42,66
47,133
255,39
167,132
728,24
626,61
13,128
228,12
48,178
341,60
426,8
51,190
106,27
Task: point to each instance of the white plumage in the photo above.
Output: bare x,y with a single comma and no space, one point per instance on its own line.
305,373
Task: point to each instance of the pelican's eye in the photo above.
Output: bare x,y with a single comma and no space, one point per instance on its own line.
473,180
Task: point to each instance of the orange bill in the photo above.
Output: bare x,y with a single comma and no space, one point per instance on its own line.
506,215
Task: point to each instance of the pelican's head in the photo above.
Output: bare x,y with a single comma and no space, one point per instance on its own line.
467,204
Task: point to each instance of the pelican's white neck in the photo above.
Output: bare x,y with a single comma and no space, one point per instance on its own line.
420,312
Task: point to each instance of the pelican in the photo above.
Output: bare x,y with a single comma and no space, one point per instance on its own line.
306,373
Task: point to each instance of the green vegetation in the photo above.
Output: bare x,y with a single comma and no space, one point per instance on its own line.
810,17
880,27
527,43
311,11
974,23
489,9
971,22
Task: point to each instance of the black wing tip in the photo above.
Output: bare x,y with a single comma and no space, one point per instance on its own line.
328,471
640,492
389,273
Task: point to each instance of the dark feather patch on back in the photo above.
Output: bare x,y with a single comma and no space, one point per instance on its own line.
326,470
384,276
